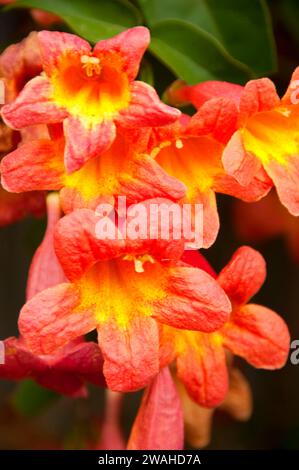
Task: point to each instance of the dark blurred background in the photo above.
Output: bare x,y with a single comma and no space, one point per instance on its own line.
31,417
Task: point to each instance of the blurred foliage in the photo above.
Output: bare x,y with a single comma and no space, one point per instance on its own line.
30,399
92,19
196,39
288,10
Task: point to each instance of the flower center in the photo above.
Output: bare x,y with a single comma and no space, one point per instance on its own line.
139,261
91,65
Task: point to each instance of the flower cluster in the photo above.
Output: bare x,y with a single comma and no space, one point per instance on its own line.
88,132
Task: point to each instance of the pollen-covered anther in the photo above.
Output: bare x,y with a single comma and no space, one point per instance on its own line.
139,261
91,65
179,144
157,149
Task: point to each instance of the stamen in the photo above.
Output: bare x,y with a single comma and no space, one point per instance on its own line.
284,111
91,65
179,144
139,261
157,149
138,264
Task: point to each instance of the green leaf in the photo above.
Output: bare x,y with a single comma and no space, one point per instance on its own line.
91,19
243,27
29,399
193,54
146,73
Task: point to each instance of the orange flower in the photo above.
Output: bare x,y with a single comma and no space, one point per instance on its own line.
45,270
266,134
253,332
198,419
66,372
124,169
159,423
109,291
90,92
18,64
191,150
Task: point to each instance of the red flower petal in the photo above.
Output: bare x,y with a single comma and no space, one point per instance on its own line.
211,222
130,352
48,321
195,301
130,44
258,95
19,63
238,401
64,373
198,420
150,181
258,335
45,271
111,437
217,116
286,180
55,44
239,163
44,18
85,140
83,360
205,91
78,248
258,188
292,91
76,245
20,363
244,275
197,260
202,369
64,383
146,109
33,106
159,423
36,165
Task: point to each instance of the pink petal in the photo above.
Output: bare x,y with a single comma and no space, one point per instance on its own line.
33,106
146,109
85,140
130,44
159,424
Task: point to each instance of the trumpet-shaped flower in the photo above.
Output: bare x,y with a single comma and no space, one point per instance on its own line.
111,436
159,424
198,419
253,332
124,169
67,372
266,134
191,151
90,91
18,64
45,270
123,288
